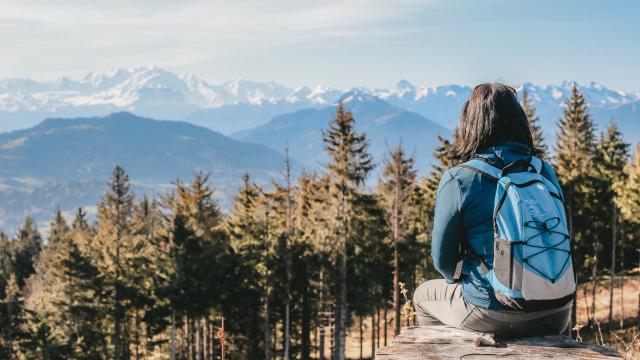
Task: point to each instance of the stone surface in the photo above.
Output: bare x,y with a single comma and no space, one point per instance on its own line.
444,342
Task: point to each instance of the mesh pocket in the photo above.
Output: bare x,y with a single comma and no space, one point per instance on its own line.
503,261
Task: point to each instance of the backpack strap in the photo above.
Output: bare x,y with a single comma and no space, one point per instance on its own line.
466,248
537,164
494,173
484,168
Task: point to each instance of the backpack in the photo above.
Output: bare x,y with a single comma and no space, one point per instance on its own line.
532,264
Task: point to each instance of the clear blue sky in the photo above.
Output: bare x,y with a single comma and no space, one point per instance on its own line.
338,43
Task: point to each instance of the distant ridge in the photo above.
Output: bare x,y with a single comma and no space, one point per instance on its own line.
66,162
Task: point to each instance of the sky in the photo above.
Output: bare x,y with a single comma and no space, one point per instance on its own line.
340,43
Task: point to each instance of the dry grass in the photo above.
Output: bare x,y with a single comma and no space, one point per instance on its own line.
623,331
627,338
628,310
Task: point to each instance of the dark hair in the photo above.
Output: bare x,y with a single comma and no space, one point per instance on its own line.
491,116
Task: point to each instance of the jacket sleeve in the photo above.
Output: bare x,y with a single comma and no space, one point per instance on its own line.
447,227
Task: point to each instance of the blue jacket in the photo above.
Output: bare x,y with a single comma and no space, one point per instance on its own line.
464,209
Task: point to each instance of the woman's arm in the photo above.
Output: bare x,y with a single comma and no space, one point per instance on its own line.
447,227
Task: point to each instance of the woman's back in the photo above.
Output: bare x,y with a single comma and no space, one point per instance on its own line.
493,126
464,212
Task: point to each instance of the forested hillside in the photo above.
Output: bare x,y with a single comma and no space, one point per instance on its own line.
63,163
294,266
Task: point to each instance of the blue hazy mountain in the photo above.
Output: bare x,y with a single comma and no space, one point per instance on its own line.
386,125
66,162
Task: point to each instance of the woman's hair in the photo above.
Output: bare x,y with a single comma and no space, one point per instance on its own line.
491,116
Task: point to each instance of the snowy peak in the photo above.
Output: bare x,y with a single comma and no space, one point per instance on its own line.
359,95
125,89
317,94
155,92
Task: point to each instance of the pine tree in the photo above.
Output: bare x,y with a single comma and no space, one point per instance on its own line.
246,229
628,201
112,242
196,256
6,261
145,225
443,162
397,191
62,297
312,222
12,320
574,153
348,168
611,157
25,250
283,213
80,220
534,123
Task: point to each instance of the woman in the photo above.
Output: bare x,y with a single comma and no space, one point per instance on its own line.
494,128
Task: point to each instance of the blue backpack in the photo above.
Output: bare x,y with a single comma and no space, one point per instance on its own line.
532,263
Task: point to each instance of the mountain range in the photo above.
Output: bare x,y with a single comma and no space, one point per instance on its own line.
94,123
238,105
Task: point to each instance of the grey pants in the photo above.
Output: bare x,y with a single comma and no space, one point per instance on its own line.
437,302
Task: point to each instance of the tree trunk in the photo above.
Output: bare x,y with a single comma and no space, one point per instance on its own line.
360,318
396,290
613,268
373,334
572,236
594,281
306,326
137,322
286,331
386,324
274,349
322,313
211,340
378,326
289,219
267,328
341,321
621,286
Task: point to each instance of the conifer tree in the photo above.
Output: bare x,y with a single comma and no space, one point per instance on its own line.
574,153
283,212
80,220
628,201
12,320
112,242
348,167
397,193
145,225
196,256
443,161
313,223
611,157
534,123
246,229
64,293
6,261
25,250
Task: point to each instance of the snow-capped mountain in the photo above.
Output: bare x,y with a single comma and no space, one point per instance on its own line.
443,103
239,105
147,91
